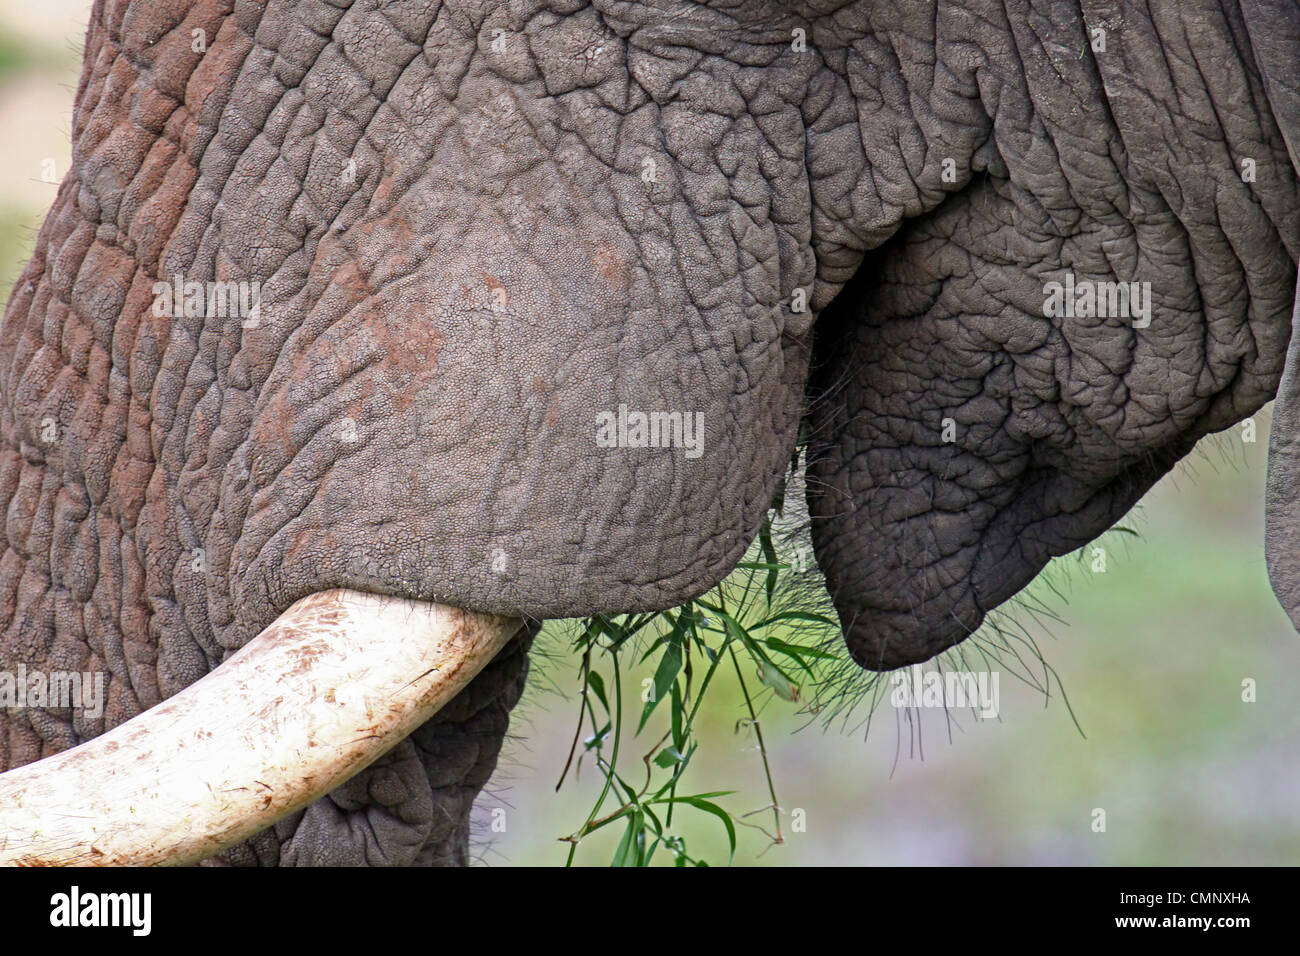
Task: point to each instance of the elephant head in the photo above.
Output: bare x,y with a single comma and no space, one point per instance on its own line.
522,309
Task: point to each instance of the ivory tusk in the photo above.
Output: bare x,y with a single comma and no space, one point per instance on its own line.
334,683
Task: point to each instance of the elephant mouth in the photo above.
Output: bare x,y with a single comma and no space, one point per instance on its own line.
328,688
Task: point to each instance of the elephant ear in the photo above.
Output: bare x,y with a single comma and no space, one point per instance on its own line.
964,428
1282,498
1275,36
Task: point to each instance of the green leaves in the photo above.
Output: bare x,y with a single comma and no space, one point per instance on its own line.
701,804
668,757
743,614
670,664
769,555
772,676
631,849
598,688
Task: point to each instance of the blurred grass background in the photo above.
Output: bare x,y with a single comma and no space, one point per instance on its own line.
1152,654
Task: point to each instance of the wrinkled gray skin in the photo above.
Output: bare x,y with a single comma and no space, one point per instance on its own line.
478,225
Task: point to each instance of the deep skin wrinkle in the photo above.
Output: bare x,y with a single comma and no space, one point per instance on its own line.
475,229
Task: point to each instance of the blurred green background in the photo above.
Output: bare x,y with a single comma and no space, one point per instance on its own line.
1152,654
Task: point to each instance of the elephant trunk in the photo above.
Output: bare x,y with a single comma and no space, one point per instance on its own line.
334,683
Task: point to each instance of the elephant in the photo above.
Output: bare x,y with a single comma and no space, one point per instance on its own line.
520,311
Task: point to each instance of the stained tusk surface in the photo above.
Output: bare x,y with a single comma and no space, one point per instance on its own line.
334,683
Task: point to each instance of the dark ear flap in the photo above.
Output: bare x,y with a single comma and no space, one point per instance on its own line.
1274,27
1282,500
